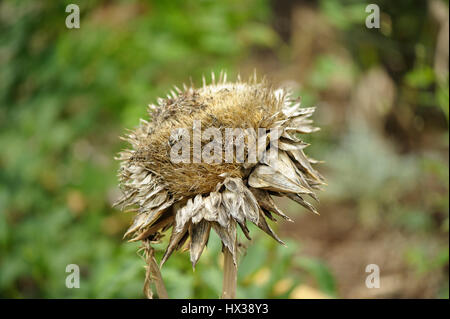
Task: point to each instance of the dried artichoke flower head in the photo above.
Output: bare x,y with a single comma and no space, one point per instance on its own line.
194,195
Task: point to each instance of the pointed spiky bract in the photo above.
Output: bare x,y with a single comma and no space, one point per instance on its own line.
193,197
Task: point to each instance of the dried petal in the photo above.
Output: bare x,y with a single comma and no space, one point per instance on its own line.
161,224
175,238
231,202
266,228
266,202
302,202
154,199
268,178
222,217
228,236
137,222
250,207
291,145
199,234
151,217
303,161
191,208
212,203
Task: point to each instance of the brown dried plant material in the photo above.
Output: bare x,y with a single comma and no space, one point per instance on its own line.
152,273
193,198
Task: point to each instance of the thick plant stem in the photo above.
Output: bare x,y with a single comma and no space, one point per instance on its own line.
229,275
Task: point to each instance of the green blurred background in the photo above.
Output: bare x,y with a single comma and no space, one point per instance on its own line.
66,95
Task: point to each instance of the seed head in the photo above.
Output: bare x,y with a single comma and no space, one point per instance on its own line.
194,195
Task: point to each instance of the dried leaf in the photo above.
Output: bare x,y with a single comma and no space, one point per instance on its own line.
266,202
127,197
268,178
231,202
137,222
250,207
159,225
175,239
199,234
228,236
154,200
266,228
302,202
191,208
291,145
245,230
269,215
222,217
212,204
303,161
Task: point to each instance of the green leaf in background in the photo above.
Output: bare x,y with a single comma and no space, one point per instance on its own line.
322,275
420,77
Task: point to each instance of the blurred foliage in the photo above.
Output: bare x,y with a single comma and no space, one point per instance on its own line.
66,96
